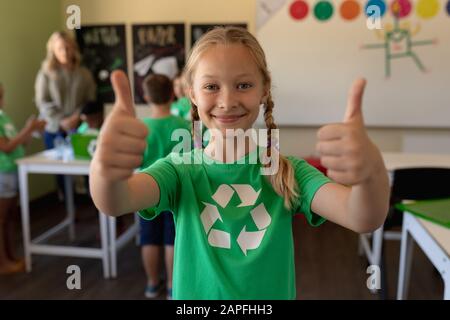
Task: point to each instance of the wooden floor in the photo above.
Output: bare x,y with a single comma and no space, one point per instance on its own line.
327,264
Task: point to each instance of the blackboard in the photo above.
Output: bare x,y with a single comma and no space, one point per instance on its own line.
157,48
103,49
197,30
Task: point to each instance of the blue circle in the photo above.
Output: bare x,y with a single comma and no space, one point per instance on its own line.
448,7
374,13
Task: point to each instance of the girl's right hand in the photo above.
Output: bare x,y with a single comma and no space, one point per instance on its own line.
122,140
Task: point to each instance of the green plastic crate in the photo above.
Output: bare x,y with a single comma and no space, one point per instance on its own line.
83,145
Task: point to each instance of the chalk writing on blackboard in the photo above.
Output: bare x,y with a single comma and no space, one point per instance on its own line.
157,48
103,49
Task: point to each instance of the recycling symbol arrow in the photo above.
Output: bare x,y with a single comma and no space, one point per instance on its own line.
91,147
247,240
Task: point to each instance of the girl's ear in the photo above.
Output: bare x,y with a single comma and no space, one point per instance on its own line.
266,92
191,96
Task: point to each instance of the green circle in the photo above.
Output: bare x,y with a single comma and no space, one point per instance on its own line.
323,10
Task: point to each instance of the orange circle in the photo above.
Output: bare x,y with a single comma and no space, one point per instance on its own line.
350,9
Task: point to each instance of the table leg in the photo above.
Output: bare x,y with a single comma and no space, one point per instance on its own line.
406,251
137,223
25,212
112,245
377,246
104,244
70,205
447,287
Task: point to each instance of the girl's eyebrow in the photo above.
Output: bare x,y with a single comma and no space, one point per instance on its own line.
207,76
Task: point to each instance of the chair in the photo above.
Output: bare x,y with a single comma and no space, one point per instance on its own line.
406,184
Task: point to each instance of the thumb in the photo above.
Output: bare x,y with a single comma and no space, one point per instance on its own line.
354,101
122,92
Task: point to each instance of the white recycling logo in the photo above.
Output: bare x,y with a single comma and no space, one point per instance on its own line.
247,240
91,147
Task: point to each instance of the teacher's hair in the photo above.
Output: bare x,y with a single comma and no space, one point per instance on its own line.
50,63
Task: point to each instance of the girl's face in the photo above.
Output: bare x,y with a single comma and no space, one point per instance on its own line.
63,51
228,88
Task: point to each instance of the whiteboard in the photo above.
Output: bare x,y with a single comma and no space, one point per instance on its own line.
313,64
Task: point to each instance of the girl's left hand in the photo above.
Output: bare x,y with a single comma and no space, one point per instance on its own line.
345,149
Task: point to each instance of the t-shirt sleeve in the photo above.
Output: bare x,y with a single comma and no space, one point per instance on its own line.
167,178
309,180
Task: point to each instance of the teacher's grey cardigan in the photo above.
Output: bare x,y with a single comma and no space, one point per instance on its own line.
61,93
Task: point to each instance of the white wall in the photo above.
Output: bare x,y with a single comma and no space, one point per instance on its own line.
294,140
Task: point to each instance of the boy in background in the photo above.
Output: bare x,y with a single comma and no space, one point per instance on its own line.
159,232
92,117
181,106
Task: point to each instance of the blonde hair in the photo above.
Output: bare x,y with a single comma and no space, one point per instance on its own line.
283,181
51,64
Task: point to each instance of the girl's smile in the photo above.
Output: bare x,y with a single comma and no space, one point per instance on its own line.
228,119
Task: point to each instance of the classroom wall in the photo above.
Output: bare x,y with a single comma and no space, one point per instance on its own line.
294,140
25,28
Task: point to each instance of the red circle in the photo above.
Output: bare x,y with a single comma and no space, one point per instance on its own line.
401,8
298,10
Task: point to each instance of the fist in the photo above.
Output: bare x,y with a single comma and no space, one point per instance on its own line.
122,140
345,148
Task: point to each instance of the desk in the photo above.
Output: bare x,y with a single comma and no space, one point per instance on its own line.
393,161
433,239
399,160
48,162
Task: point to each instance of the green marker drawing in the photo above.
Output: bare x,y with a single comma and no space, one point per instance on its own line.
398,44
116,64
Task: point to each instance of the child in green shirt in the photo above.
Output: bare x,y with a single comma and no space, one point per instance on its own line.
233,206
91,116
181,106
11,149
158,93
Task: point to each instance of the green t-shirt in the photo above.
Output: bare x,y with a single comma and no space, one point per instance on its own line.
233,234
84,129
7,130
159,142
181,108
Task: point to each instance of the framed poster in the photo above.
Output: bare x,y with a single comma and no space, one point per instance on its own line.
157,48
103,49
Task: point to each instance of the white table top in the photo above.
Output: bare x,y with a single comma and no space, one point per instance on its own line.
398,160
392,160
51,157
439,233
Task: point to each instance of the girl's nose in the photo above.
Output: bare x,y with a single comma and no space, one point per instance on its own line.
227,99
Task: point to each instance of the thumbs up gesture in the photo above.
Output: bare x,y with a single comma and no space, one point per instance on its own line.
122,140
345,148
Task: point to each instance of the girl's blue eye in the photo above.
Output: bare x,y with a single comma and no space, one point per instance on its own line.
244,86
211,87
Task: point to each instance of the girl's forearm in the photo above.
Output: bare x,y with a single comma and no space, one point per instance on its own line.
368,202
18,140
111,198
